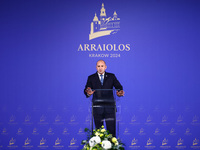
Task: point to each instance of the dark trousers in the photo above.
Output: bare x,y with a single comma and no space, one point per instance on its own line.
107,113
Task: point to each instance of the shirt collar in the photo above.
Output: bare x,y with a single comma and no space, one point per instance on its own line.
100,74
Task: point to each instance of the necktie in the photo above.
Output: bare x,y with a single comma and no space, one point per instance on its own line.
101,79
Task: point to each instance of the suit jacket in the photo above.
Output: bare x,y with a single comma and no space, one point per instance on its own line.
103,98
110,82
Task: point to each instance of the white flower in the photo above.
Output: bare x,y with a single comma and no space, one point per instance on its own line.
94,140
117,143
106,144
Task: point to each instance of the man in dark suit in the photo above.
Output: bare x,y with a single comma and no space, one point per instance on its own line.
103,80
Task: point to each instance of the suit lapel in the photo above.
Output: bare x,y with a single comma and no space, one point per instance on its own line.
105,78
98,81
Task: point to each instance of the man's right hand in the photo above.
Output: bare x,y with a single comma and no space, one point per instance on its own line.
89,91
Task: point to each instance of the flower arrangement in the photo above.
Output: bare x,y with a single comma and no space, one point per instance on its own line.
100,139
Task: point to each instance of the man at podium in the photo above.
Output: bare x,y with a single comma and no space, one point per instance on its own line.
104,98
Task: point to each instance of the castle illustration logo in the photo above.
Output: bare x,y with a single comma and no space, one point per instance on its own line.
104,26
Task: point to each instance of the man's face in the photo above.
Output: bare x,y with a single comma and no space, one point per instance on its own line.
101,67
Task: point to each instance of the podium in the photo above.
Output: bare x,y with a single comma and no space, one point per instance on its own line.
105,108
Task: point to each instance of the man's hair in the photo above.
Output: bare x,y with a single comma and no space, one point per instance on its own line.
101,60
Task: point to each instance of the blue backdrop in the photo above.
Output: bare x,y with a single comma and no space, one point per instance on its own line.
44,71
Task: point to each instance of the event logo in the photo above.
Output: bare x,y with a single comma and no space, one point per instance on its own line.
87,119
134,144
57,144
157,131
58,141
141,132
104,26
126,131
180,144
12,120
180,120
165,144
149,120
12,143
65,131
195,144
73,120
149,144
73,144
43,119
58,120
20,131
4,131
27,120
172,131
27,141
195,120
43,144
43,141
133,119
81,131
188,132
50,131
35,131
164,120
134,141
27,144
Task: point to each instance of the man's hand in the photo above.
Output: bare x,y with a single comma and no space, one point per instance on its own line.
89,91
120,93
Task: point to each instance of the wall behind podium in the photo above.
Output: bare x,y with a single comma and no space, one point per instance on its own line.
48,48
